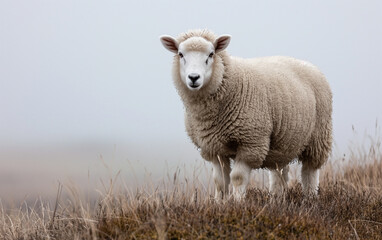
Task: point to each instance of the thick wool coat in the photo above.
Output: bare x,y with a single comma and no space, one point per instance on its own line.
264,111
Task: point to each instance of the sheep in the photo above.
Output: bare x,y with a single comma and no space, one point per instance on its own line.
260,113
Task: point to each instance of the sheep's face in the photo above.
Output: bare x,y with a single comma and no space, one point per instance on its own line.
196,58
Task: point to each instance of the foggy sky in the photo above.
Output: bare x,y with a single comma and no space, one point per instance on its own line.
75,72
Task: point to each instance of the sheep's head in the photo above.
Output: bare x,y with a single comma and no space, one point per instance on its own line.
196,56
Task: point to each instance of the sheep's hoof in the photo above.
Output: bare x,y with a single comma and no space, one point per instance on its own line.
219,196
239,193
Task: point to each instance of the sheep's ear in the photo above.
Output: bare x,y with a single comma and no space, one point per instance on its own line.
169,43
222,42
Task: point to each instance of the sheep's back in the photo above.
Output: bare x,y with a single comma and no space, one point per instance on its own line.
295,90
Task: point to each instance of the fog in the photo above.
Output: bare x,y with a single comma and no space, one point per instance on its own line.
88,82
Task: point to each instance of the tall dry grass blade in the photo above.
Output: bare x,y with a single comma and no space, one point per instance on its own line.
280,175
59,191
355,231
366,221
222,173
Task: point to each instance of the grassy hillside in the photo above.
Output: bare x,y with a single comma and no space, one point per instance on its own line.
349,206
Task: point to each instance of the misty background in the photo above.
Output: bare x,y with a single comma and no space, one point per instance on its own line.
86,88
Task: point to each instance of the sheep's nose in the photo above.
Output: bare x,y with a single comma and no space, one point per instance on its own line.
193,77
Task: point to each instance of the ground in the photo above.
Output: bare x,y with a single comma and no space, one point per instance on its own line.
348,206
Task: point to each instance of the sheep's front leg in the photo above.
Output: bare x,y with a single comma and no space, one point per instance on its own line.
310,179
240,179
247,158
221,170
278,180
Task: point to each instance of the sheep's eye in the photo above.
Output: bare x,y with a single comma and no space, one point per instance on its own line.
180,54
211,55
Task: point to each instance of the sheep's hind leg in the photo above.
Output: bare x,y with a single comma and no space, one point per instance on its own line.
240,178
278,180
221,170
310,179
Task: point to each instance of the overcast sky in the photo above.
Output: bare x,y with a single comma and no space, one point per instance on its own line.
95,72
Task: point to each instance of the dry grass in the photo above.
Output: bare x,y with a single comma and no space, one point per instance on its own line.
349,206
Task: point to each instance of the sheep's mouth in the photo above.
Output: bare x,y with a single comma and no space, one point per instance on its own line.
194,86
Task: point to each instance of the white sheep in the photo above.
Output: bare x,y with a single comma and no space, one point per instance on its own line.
261,112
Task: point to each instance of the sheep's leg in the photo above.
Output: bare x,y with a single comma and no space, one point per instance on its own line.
248,157
310,179
240,179
221,170
278,180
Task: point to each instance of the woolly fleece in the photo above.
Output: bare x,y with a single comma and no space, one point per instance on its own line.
263,111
